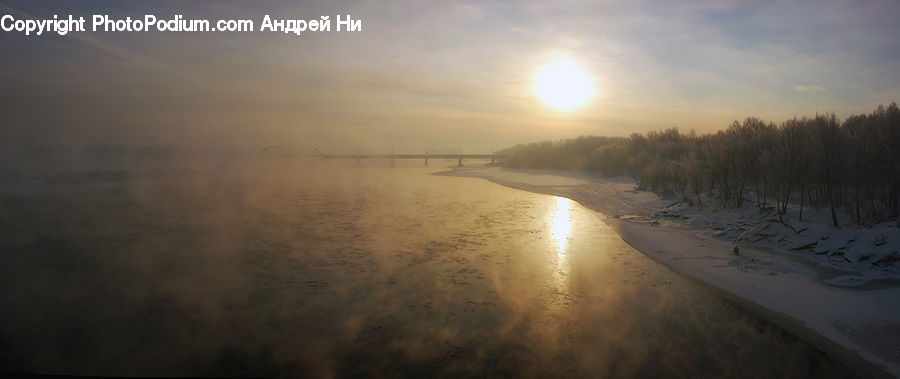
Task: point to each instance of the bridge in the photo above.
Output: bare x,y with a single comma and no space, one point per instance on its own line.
312,152
426,157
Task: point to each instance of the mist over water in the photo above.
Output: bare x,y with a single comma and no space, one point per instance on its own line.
291,267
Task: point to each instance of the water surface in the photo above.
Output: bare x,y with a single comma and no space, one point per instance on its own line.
278,268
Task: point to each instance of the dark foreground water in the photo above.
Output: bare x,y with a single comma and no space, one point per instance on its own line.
276,268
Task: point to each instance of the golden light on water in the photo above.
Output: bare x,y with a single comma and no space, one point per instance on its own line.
561,224
563,84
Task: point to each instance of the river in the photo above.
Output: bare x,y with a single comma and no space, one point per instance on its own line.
285,268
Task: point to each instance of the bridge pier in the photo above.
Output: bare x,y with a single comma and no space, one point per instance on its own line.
426,161
460,162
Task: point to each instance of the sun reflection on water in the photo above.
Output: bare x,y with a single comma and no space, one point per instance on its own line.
561,224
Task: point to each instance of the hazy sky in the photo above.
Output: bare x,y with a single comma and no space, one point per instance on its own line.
442,74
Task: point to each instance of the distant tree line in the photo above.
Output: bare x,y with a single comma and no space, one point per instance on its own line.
813,162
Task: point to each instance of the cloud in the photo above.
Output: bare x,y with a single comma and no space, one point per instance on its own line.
808,88
463,68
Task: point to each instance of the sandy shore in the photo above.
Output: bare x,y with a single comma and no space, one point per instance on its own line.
858,325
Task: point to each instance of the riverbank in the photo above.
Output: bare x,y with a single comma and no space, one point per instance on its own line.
849,311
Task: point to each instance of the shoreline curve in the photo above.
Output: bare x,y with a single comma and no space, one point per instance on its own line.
576,186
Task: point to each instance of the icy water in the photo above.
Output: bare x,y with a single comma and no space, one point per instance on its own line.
282,269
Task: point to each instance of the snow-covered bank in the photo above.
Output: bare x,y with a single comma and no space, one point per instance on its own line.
847,306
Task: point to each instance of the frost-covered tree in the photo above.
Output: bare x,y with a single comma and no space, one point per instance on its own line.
815,162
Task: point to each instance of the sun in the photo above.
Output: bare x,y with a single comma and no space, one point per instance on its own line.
563,85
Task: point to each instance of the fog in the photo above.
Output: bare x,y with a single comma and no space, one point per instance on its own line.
169,263
439,74
143,233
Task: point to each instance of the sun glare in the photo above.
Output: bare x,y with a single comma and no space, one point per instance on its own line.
561,224
563,85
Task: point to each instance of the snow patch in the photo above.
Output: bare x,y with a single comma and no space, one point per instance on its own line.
840,283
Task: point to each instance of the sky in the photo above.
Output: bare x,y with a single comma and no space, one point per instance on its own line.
440,75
